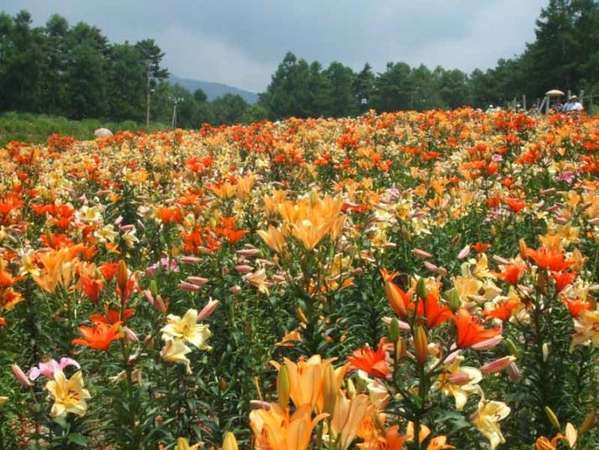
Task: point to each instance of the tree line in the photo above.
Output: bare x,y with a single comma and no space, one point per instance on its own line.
564,55
76,72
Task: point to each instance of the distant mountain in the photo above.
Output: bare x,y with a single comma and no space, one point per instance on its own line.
214,90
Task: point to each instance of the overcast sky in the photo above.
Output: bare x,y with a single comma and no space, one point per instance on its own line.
241,42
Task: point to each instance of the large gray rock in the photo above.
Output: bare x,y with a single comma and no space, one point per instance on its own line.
102,132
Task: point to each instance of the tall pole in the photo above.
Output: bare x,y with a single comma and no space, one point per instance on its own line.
148,93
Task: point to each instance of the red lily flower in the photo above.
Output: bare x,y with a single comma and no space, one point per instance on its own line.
470,331
563,279
549,259
435,313
99,336
512,273
372,362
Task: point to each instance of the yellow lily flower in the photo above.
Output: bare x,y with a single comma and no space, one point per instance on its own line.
68,394
586,329
274,238
183,444
486,419
174,351
58,269
347,418
459,381
187,329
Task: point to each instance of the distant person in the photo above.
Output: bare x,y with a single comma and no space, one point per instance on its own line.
558,106
574,105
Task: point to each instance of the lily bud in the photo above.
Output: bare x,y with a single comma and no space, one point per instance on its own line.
154,287
20,376
122,275
500,260
459,378
514,372
130,335
299,312
421,288
487,344
547,191
453,299
198,281
190,259
395,298
329,390
393,330
230,443
283,387
160,304
511,346
552,418
149,297
421,344
432,267
351,388
497,365
464,252
588,422
523,248
243,268
189,287
249,252
421,253
208,309
545,350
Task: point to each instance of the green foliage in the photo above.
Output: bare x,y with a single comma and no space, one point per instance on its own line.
36,128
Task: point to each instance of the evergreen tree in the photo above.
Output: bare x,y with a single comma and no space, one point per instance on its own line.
340,100
364,88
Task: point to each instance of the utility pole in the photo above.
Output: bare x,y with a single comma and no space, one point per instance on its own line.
148,94
175,100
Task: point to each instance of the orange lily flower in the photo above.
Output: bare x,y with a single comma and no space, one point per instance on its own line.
512,273
550,259
577,306
435,313
275,429
503,311
397,298
91,287
372,362
109,270
470,331
563,279
112,316
99,336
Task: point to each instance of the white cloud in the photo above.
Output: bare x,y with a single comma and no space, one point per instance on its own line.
203,57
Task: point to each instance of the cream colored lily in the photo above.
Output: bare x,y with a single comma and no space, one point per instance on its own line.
459,381
68,394
174,351
187,329
486,419
347,418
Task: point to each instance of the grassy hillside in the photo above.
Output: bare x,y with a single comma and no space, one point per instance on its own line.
36,128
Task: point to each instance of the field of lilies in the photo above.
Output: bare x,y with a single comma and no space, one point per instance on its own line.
418,281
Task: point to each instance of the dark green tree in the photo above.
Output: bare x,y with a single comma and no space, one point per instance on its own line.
364,88
339,95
